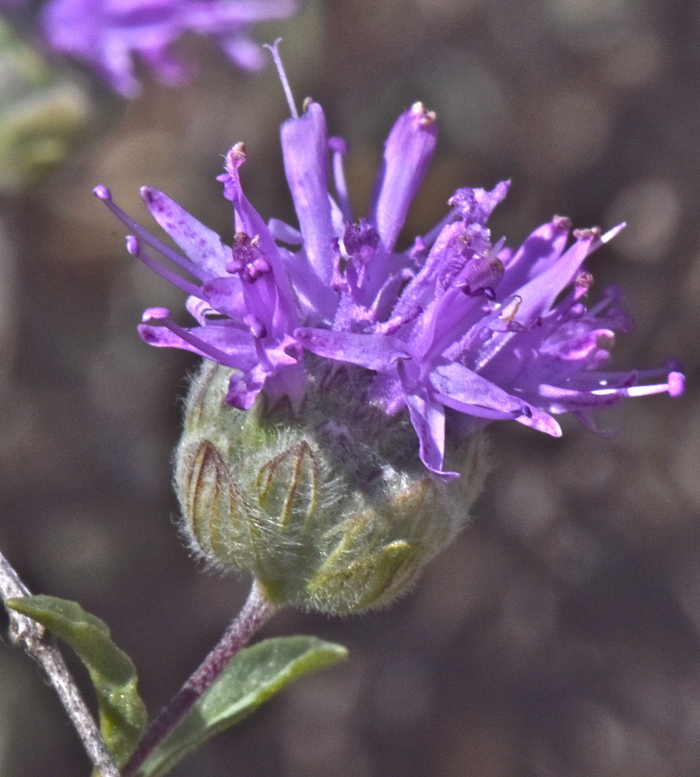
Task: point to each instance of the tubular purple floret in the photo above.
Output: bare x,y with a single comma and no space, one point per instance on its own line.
306,166
474,205
408,152
454,322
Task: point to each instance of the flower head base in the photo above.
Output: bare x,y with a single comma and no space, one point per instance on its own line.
456,327
108,33
329,507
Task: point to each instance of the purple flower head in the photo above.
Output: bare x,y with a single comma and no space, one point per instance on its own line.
457,330
107,34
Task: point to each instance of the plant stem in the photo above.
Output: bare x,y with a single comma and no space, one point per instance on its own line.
31,637
255,612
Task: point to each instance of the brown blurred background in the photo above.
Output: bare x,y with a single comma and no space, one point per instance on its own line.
560,635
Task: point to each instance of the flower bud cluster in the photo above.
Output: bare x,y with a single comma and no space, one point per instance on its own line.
321,449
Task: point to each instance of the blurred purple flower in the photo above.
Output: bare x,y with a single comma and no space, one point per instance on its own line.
454,327
107,34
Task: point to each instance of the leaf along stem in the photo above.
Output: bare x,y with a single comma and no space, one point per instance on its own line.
256,611
32,638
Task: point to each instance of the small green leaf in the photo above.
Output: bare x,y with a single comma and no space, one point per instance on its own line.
252,677
122,713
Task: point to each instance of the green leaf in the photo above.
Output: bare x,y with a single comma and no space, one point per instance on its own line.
252,677
122,713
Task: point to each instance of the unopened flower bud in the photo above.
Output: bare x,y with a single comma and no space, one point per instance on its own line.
330,506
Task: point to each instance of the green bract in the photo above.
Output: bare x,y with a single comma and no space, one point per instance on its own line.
329,506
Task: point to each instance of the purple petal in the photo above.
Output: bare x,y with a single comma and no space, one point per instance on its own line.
541,421
284,233
289,382
421,290
224,343
387,392
538,295
226,296
317,300
468,392
539,251
407,155
428,419
305,151
200,310
375,352
168,69
201,244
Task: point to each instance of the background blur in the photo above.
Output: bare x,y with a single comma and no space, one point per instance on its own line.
560,635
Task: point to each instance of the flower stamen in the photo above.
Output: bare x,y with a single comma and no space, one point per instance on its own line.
104,194
161,317
274,50
133,246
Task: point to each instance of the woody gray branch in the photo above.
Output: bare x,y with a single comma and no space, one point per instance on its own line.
32,638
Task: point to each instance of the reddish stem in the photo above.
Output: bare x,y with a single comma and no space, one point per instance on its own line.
255,612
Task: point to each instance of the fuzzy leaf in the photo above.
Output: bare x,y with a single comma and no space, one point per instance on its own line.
251,678
122,713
